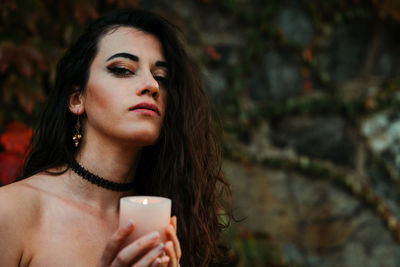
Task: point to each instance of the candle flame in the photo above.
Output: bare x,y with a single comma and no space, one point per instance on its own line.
145,201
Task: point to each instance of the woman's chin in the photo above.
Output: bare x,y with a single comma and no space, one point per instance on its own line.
142,139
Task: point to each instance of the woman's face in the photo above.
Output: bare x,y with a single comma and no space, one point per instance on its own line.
125,97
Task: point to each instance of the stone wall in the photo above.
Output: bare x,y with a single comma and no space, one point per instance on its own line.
307,92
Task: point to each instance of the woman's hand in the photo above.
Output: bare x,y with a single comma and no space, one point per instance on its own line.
172,246
143,252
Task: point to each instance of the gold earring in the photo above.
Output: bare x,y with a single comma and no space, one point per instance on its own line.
77,136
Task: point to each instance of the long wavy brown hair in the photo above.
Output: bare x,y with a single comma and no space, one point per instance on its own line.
184,164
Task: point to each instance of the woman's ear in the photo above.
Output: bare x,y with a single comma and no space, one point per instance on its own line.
76,102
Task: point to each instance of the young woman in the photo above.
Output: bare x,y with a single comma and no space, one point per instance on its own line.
128,115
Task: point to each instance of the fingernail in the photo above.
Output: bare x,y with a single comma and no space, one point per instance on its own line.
165,259
157,262
154,235
129,224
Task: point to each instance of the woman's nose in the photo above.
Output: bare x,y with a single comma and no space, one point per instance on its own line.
149,86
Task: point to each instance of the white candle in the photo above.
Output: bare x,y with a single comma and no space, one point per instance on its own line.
148,214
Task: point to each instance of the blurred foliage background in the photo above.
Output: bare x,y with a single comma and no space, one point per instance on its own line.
308,95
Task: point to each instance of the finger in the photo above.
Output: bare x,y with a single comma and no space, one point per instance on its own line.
115,243
133,250
160,262
151,256
172,236
169,248
173,222
164,261
156,263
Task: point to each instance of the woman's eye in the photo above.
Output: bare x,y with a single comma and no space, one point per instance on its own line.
120,71
161,79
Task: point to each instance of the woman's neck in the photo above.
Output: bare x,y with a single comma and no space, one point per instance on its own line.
108,160
114,163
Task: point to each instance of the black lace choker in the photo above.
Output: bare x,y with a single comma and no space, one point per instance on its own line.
101,182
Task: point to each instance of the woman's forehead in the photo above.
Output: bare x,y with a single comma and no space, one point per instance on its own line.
130,40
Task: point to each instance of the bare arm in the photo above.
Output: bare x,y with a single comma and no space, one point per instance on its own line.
12,210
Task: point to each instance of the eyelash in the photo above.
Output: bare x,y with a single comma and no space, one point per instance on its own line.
120,72
124,72
162,80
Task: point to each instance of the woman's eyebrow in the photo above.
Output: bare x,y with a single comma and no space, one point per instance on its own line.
161,64
124,55
135,58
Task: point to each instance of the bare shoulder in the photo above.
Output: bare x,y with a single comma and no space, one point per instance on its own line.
18,200
20,207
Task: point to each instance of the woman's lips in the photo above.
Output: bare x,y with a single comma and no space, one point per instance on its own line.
146,109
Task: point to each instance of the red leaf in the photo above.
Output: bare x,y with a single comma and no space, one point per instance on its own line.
385,7
16,138
26,101
308,54
8,4
307,86
212,52
23,64
35,57
84,11
10,167
25,58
